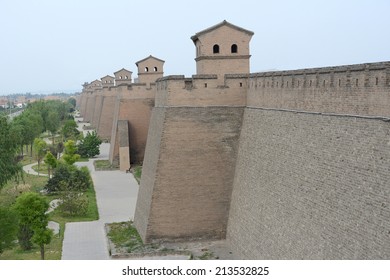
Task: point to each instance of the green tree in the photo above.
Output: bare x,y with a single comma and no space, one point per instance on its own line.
69,177
9,167
32,220
8,228
90,145
39,147
50,161
73,203
42,236
53,123
72,102
32,125
70,155
69,130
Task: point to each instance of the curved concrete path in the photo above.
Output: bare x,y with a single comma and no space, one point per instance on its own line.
28,169
116,195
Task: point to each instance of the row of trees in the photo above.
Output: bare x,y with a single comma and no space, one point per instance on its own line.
39,117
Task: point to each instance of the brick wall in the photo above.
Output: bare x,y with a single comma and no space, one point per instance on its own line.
361,89
310,186
189,169
134,104
202,90
104,128
149,171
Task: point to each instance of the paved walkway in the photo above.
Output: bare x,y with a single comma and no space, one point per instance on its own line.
28,169
116,194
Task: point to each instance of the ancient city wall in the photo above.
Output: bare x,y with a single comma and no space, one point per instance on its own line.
107,108
311,186
90,106
312,172
188,172
361,89
201,90
134,104
97,109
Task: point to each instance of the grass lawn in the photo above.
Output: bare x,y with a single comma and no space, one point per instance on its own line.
102,164
42,168
137,172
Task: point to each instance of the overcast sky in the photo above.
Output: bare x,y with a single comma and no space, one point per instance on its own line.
56,45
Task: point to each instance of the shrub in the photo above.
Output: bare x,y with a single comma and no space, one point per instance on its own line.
89,146
69,178
73,203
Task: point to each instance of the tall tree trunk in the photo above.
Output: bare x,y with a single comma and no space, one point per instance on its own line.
42,252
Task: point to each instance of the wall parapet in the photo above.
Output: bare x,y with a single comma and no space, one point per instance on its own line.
324,70
361,89
201,90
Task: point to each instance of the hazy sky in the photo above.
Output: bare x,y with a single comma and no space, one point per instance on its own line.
56,45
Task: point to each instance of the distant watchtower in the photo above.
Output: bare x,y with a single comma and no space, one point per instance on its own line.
150,69
222,49
107,81
122,77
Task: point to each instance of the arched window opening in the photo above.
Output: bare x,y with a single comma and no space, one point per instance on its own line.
216,49
155,69
234,48
146,69
126,77
120,77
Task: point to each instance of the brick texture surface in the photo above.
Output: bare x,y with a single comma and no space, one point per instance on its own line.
311,187
194,168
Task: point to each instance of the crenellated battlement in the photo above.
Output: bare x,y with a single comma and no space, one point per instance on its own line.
361,89
201,90
326,76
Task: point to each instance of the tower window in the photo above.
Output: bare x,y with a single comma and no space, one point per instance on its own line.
216,49
376,81
155,69
234,48
146,69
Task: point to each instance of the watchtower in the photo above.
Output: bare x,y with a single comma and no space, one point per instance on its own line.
150,69
222,49
122,77
107,81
